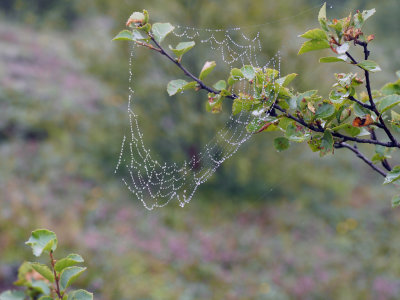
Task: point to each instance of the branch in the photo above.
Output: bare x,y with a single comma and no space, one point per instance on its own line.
360,103
336,134
385,163
187,73
56,278
360,155
368,86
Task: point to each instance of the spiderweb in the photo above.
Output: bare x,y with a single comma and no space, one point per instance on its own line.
156,183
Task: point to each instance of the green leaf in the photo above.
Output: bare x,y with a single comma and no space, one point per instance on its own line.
325,111
161,30
70,260
214,103
294,134
236,74
392,175
68,275
315,143
281,144
322,12
207,68
44,271
261,125
248,72
40,286
23,270
391,88
396,201
46,298
124,35
220,85
179,85
313,45
330,59
315,34
240,104
326,143
42,240
370,66
388,102
137,18
80,295
351,130
12,295
284,81
182,48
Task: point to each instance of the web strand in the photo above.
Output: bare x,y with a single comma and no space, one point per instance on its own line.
157,183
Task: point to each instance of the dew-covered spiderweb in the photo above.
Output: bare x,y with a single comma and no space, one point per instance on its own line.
156,183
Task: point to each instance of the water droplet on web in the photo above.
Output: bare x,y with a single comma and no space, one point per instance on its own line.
157,183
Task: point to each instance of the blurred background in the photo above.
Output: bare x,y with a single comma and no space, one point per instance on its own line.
267,225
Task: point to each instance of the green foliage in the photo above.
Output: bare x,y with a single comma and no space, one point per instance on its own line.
324,123
42,240
161,30
182,48
55,279
207,68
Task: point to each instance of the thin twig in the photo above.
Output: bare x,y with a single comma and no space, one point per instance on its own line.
201,84
56,279
360,155
359,102
336,134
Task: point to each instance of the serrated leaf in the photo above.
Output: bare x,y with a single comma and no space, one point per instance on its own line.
396,201
248,72
44,271
393,175
388,102
80,295
284,81
281,143
330,59
12,295
325,111
313,45
207,68
370,66
42,240
70,260
315,34
68,275
182,48
326,143
220,85
179,85
161,30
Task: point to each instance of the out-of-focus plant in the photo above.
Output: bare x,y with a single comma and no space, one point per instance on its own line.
345,118
47,283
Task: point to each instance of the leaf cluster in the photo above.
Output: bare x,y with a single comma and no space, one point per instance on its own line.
48,282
